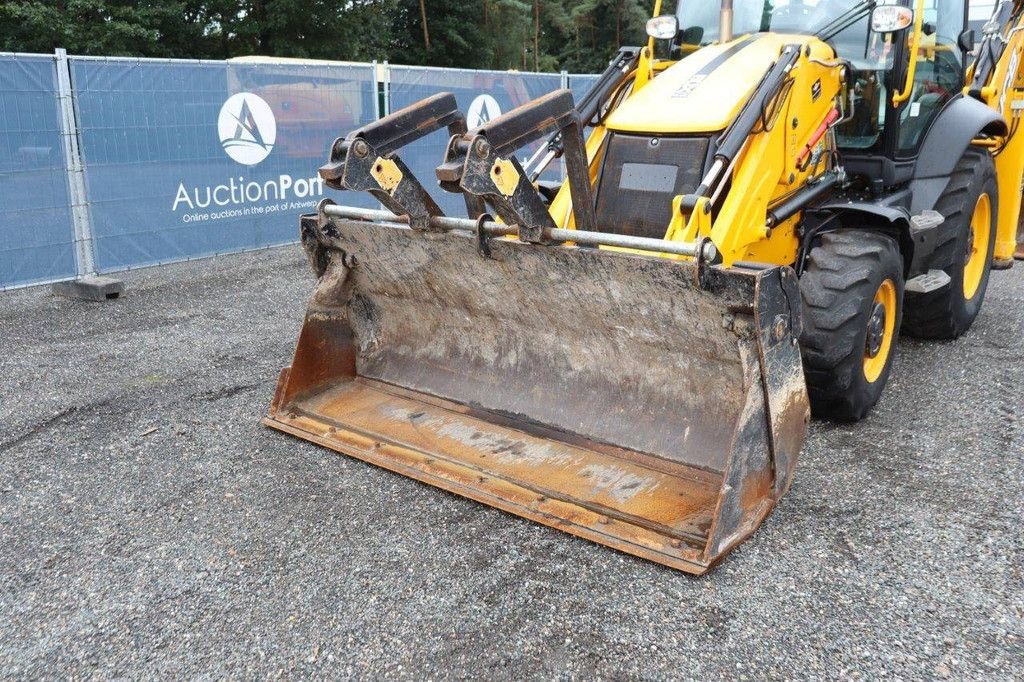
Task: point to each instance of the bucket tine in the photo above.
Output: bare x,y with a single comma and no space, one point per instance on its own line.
482,163
367,159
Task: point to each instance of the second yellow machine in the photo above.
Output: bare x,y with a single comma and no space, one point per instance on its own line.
755,204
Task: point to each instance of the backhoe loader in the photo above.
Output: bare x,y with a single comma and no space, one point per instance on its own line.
755,203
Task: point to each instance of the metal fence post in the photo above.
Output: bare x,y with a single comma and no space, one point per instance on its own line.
84,246
387,88
376,91
87,286
564,85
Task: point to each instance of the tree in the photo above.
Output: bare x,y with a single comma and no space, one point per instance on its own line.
105,27
540,35
599,27
426,30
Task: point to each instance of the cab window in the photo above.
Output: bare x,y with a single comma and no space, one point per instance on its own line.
871,58
939,73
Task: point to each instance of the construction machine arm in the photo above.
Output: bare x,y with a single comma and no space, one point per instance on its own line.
589,106
997,81
366,159
752,114
482,163
993,45
756,115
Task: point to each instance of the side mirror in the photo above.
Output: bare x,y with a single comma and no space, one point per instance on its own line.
890,18
665,27
965,41
692,36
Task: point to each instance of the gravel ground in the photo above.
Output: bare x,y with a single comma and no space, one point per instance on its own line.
151,526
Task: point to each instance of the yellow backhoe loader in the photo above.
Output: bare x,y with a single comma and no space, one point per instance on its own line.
756,203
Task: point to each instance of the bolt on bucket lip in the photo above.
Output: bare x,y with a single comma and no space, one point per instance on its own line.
628,399
631,504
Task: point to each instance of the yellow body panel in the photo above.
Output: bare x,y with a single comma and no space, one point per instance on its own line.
689,96
705,91
703,108
699,104
1005,92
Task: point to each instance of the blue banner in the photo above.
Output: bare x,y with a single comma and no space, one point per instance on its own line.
189,159
580,84
185,159
481,95
36,232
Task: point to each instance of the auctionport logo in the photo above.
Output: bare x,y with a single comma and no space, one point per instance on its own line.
247,131
247,128
481,110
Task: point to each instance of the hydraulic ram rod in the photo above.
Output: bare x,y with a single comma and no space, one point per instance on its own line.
494,229
588,107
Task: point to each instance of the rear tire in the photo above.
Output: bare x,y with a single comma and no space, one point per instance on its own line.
969,204
852,292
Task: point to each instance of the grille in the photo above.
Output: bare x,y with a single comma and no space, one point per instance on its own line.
640,177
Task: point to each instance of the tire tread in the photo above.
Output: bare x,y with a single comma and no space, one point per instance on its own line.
942,314
833,287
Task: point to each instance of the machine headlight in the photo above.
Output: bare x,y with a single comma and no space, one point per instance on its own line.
889,18
664,27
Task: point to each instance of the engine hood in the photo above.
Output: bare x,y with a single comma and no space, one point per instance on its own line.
704,91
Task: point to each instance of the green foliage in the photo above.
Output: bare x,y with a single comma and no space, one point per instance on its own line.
546,35
106,27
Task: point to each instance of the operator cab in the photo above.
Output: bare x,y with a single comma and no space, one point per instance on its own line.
699,23
879,140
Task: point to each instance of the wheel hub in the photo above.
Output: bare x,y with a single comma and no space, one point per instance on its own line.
876,330
977,244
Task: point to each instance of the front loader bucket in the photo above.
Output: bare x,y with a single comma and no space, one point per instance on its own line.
642,402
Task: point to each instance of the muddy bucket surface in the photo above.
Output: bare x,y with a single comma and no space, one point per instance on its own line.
611,395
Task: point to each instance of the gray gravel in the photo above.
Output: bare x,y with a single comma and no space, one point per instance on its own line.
151,526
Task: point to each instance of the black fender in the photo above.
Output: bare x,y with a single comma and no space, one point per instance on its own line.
891,220
959,122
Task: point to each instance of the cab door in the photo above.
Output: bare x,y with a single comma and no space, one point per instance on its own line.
881,139
938,76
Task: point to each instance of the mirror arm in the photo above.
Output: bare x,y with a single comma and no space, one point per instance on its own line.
650,39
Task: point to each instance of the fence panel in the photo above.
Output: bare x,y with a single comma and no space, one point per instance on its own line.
481,95
580,83
36,229
187,159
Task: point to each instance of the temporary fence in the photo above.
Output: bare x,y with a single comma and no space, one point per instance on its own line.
114,163
188,159
37,238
